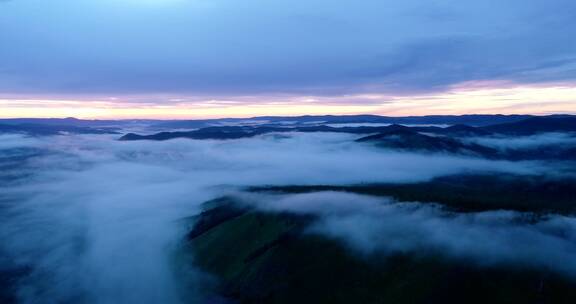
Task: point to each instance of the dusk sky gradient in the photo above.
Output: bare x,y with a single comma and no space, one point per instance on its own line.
222,58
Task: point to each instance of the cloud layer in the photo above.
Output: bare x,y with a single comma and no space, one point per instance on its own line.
225,47
96,219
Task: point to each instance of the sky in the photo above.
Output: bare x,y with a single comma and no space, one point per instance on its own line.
229,58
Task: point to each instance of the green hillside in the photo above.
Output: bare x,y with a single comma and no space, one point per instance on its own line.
262,257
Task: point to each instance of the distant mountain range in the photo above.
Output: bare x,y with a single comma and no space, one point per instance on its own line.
472,120
535,125
429,134
413,141
528,126
462,124
234,132
53,129
428,139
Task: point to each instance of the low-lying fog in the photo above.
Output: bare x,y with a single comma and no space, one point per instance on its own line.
96,219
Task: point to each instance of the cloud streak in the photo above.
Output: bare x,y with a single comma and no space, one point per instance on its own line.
374,225
473,97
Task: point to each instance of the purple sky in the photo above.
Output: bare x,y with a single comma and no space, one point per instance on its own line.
164,57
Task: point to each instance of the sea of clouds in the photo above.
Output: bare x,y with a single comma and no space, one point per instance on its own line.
95,220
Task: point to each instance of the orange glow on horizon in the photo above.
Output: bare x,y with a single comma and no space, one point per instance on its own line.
473,98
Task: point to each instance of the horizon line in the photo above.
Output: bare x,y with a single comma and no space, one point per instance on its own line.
291,116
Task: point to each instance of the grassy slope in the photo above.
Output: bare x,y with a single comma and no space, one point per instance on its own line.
265,258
